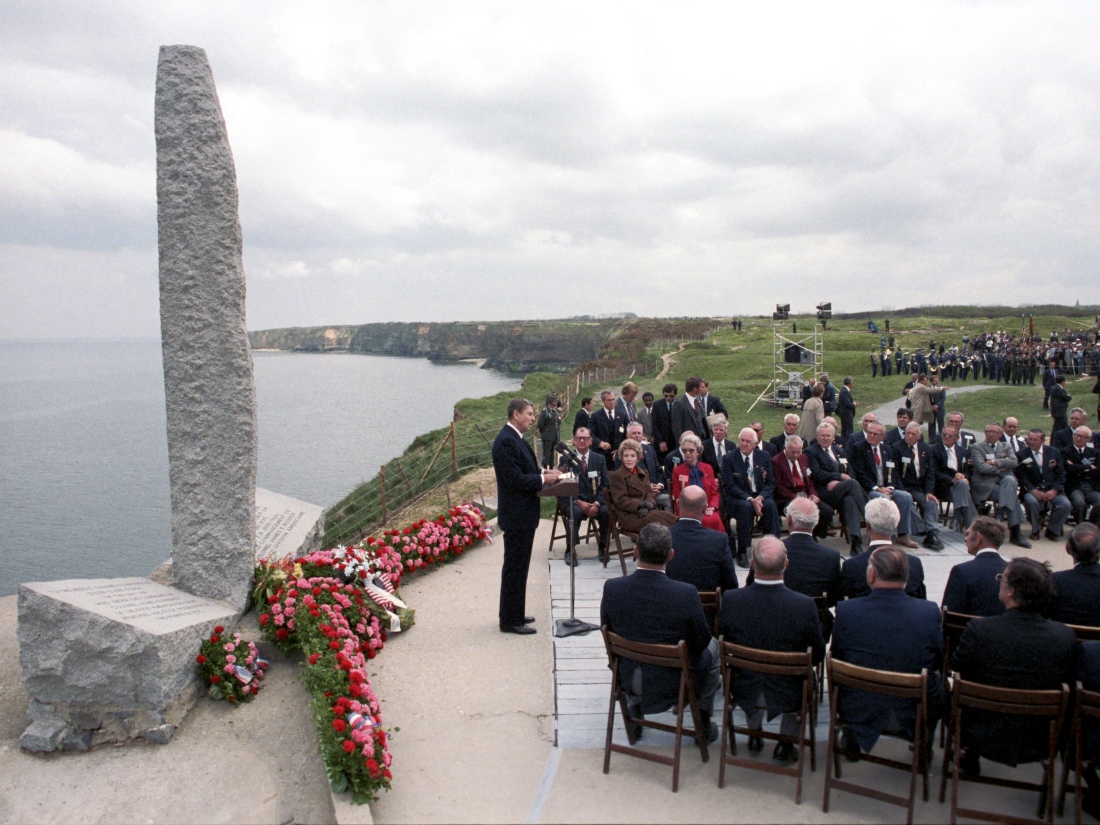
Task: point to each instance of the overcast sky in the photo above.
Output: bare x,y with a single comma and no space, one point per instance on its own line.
452,161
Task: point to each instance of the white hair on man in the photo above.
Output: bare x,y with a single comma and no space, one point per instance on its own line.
748,430
802,514
794,441
791,418
882,517
825,426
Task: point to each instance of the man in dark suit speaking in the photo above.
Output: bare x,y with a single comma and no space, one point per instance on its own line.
518,481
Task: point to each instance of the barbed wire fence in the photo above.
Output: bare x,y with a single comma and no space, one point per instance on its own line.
466,445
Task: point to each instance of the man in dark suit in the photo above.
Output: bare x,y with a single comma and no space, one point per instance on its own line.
829,465
1063,439
590,500
1077,591
768,616
1019,649
875,467
608,428
791,423
583,418
765,445
747,488
662,422
972,587
1082,462
703,557
793,478
687,412
951,462
897,435
1042,476
518,481
882,522
625,406
886,630
1049,376
865,421
828,400
846,410
918,477
712,404
647,606
716,447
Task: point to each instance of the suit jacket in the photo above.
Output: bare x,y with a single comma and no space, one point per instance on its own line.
861,460
1059,402
647,606
645,418
1019,649
945,476
916,483
1082,470
609,427
702,557
779,442
581,419
813,569
1088,674
1077,595
519,478
972,586
826,471
1048,473
1062,440
710,455
713,404
589,489
920,397
829,399
735,479
845,405
770,617
983,475
886,630
652,466
623,411
853,578
684,418
786,488
662,424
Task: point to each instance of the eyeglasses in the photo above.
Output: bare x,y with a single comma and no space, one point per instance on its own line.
577,438
688,450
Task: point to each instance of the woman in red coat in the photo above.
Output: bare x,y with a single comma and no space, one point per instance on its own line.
634,500
698,473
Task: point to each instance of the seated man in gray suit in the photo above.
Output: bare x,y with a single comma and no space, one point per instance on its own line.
993,465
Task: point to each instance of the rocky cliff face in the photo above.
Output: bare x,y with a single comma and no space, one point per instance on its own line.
516,346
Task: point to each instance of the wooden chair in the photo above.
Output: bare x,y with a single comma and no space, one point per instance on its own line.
593,528
1051,704
616,532
901,685
1085,633
1086,714
798,665
670,656
953,626
712,606
822,604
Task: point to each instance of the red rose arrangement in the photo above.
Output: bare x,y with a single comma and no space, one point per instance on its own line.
230,667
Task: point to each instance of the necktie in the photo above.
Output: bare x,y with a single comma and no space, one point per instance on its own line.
698,407
832,457
878,458
952,459
796,474
916,461
584,464
878,467
721,450
752,476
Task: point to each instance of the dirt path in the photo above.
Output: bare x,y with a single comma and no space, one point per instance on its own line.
666,359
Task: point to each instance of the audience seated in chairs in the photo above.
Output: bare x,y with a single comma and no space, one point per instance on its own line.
1083,476
696,473
882,523
973,587
632,494
837,488
747,488
1077,590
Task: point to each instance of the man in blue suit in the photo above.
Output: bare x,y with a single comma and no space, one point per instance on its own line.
519,480
882,522
1042,476
647,606
703,557
768,616
918,478
887,630
972,586
875,467
1077,591
747,489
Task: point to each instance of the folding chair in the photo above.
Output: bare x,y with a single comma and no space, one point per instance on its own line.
1086,712
616,532
953,626
560,515
1050,704
670,656
712,606
798,665
901,685
822,604
1085,633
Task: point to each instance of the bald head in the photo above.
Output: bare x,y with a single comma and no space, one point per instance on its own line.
769,559
693,501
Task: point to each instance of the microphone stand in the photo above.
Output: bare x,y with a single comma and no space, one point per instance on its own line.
572,626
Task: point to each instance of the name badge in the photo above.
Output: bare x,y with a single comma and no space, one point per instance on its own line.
890,464
1026,460
592,474
904,460
844,461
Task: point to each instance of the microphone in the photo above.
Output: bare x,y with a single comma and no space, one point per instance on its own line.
569,455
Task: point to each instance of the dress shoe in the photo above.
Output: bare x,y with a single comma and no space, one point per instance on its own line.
933,542
1019,540
785,752
905,541
857,548
756,744
570,558
1034,535
970,764
518,629
605,556
743,561
528,619
1050,535
712,731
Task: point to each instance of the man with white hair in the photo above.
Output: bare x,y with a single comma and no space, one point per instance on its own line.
791,423
747,488
1083,475
875,467
882,523
918,477
1063,439
993,477
867,420
813,569
837,488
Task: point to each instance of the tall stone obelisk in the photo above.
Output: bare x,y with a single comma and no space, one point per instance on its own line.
209,392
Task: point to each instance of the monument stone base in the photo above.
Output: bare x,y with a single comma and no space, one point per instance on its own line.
110,660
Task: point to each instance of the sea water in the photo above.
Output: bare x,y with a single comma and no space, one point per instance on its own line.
84,456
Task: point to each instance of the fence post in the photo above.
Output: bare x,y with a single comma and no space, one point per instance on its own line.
382,481
454,450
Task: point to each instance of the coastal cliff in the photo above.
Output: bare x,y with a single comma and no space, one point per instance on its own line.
509,346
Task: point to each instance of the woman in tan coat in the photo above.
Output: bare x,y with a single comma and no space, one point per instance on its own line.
634,500
813,413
